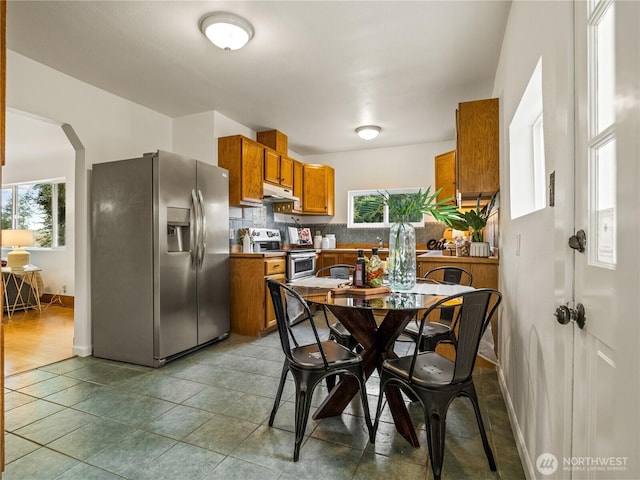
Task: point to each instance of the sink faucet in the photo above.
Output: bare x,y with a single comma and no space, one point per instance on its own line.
380,243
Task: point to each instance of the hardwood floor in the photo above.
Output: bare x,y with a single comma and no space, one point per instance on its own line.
33,339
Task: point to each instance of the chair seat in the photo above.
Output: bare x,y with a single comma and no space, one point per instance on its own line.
308,356
431,369
430,329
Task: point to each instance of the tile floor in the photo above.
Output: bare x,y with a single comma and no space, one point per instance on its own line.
205,416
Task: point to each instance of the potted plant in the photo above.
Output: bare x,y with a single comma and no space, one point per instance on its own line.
475,222
403,209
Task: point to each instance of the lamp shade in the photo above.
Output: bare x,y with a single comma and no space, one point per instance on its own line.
226,30
17,238
18,257
368,132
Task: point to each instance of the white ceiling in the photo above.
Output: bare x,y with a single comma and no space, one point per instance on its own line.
314,70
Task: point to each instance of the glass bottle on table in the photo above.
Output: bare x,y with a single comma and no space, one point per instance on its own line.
375,270
360,273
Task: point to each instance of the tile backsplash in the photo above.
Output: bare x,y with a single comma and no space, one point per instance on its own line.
263,217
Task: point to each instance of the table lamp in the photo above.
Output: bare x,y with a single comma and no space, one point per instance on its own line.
18,257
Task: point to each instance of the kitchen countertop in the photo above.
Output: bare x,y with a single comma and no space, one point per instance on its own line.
254,255
420,254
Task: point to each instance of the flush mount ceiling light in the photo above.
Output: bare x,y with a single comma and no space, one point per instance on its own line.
368,132
226,30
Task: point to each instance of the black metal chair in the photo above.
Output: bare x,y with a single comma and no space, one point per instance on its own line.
436,381
444,330
309,363
337,331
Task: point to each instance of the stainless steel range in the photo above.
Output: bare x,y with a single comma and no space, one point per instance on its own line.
301,262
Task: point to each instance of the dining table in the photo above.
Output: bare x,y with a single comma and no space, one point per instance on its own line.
375,321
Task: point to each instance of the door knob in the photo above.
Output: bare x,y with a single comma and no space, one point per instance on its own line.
579,315
578,241
565,314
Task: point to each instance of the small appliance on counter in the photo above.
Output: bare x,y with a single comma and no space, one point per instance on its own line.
300,236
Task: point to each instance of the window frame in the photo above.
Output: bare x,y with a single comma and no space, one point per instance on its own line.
55,226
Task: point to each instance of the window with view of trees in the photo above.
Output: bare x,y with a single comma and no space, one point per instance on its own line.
40,207
366,208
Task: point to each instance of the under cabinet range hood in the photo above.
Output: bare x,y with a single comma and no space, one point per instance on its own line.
275,194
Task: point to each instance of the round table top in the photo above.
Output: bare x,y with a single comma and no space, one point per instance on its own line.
420,298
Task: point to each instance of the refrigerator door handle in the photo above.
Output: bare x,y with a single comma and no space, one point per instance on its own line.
194,245
203,229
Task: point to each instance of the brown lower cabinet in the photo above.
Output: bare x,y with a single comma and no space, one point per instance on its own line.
483,270
252,311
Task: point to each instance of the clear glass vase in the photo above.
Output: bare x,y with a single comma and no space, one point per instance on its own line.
401,264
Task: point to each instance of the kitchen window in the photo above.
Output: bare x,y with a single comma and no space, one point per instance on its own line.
366,208
40,207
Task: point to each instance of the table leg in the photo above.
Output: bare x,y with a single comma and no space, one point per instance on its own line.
378,344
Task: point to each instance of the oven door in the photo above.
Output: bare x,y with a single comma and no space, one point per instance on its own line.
301,265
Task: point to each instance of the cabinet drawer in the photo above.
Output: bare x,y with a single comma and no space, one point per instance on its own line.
274,265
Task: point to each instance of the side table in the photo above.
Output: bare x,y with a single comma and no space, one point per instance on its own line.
26,283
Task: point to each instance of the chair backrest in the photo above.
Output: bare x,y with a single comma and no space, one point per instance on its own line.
450,274
339,270
476,311
291,309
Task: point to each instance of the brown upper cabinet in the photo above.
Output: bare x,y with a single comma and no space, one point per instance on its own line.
445,164
318,189
275,140
244,159
477,149
278,169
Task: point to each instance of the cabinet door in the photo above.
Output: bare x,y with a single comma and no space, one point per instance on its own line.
478,155
270,313
349,258
318,189
271,166
252,168
445,165
329,258
286,172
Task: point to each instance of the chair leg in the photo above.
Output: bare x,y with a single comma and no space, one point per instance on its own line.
435,439
365,406
303,405
276,403
470,392
331,382
376,423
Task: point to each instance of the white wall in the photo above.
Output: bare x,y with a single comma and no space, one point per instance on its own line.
109,128
379,168
536,351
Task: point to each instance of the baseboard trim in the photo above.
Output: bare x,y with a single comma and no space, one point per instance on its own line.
515,428
55,299
82,350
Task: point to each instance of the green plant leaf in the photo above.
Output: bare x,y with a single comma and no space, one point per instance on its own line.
412,205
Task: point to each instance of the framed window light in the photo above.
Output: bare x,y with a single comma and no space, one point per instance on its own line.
40,207
366,208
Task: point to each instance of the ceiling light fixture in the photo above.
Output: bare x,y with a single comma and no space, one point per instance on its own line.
368,132
226,30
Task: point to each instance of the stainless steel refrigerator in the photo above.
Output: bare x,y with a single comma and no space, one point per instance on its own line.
159,257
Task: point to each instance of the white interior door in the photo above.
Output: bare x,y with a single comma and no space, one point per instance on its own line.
598,451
